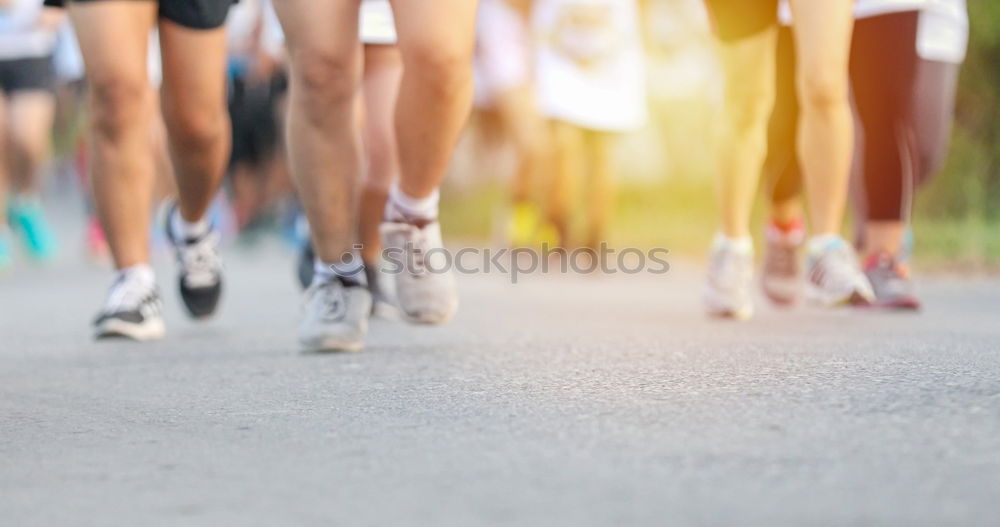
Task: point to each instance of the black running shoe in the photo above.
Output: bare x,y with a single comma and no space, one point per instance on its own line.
200,277
132,311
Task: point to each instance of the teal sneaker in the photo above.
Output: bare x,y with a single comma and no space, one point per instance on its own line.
27,218
6,260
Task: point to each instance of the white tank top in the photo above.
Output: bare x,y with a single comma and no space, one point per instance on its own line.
20,37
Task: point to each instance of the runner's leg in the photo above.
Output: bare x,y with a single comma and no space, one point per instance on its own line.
113,39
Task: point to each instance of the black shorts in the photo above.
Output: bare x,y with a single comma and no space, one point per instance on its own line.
738,19
35,74
194,14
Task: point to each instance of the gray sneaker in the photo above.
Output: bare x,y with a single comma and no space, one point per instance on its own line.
891,282
335,317
834,276
781,271
730,280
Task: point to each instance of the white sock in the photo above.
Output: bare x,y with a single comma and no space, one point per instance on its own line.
182,229
141,274
743,245
403,207
350,271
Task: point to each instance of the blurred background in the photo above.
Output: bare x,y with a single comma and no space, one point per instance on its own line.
659,186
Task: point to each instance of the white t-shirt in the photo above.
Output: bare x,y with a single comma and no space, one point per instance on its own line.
590,64
20,36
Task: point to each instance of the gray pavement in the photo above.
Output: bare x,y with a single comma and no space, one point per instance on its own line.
560,401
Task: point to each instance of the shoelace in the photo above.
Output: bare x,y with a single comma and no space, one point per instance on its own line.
200,262
782,259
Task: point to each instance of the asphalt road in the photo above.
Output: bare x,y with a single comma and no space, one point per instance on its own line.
560,401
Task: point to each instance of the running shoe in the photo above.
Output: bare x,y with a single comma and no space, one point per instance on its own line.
382,304
305,267
6,259
28,218
200,276
335,317
730,280
890,279
834,276
781,270
425,286
132,310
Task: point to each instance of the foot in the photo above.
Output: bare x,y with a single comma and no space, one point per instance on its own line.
891,283
335,317
781,270
133,310
834,276
200,275
28,219
425,285
730,279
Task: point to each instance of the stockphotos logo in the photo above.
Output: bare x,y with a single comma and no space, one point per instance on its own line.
522,261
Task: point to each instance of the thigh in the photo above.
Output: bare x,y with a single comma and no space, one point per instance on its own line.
327,26
113,38
194,69
31,114
443,27
823,33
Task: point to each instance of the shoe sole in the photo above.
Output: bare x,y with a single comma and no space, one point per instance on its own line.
332,346
856,299
118,329
737,315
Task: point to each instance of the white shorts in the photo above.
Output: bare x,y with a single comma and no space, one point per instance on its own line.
503,55
589,67
377,25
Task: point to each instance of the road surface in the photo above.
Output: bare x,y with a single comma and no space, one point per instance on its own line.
560,401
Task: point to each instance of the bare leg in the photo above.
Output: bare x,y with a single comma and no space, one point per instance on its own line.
195,113
826,131
113,39
323,141
884,237
567,166
31,118
4,162
383,71
601,189
749,66
437,41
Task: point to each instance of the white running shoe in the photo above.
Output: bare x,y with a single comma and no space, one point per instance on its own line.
834,275
133,310
335,317
425,285
730,280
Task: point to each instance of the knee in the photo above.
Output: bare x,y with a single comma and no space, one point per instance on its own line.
823,90
117,104
195,127
446,71
749,110
325,81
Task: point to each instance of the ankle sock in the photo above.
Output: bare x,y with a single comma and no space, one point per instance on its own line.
140,273
350,271
403,207
820,242
742,245
788,227
182,229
